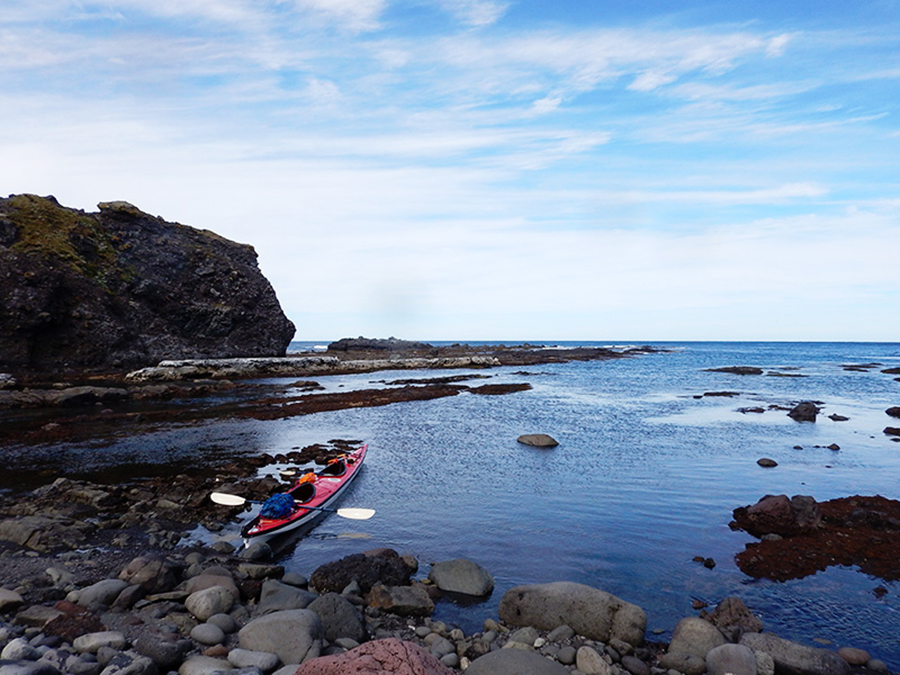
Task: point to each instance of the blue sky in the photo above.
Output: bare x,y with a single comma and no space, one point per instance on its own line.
489,169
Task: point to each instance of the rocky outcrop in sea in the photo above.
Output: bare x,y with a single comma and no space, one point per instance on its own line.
123,289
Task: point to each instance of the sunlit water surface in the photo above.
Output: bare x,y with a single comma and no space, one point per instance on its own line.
645,478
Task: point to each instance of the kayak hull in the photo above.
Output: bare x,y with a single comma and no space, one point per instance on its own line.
323,490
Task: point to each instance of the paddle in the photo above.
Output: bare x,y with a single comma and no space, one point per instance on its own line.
235,500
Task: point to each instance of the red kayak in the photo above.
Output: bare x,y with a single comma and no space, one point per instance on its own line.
309,494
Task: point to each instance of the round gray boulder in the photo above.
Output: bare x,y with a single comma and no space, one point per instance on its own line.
731,658
276,596
213,600
291,634
515,662
695,636
340,618
101,594
596,614
462,576
796,658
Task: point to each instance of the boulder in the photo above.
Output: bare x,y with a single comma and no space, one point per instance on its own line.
591,612
792,658
245,658
734,618
514,662
121,287
538,440
10,600
208,634
695,636
384,566
93,642
208,580
380,657
293,635
777,514
402,600
18,649
689,664
165,650
893,411
589,661
37,615
804,411
276,596
731,658
74,621
152,572
204,665
854,656
101,594
340,618
45,533
214,600
462,576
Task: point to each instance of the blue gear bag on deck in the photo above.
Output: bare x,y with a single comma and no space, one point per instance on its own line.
277,506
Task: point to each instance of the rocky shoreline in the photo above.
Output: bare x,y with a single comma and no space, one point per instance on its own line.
77,406
109,580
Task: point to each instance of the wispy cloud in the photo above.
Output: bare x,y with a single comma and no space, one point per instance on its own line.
453,147
475,12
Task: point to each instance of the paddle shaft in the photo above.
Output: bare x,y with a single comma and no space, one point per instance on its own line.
236,500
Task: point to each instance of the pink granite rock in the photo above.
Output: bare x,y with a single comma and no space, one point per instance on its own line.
380,657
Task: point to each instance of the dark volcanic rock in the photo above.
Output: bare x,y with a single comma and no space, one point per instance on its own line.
363,344
121,288
854,531
776,514
804,412
737,370
894,411
382,566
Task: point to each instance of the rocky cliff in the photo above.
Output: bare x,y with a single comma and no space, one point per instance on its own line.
121,288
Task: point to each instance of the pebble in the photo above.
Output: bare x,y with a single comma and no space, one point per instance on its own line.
208,634
224,621
266,662
589,662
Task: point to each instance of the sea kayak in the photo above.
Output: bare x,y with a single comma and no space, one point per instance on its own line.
310,492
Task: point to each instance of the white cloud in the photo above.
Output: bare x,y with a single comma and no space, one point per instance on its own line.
778,44
650,80
475,12
352,15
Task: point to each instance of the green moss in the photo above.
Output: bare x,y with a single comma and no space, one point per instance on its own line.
69,237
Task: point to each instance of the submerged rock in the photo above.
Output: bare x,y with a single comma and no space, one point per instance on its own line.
462,576
538,440
590,611
737,370
805,411
777,514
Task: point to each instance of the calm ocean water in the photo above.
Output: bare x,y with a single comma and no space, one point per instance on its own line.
645,478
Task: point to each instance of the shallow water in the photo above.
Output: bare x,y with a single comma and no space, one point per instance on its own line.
645,478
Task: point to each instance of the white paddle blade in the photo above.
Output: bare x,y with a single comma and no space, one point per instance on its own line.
356,514
227,499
